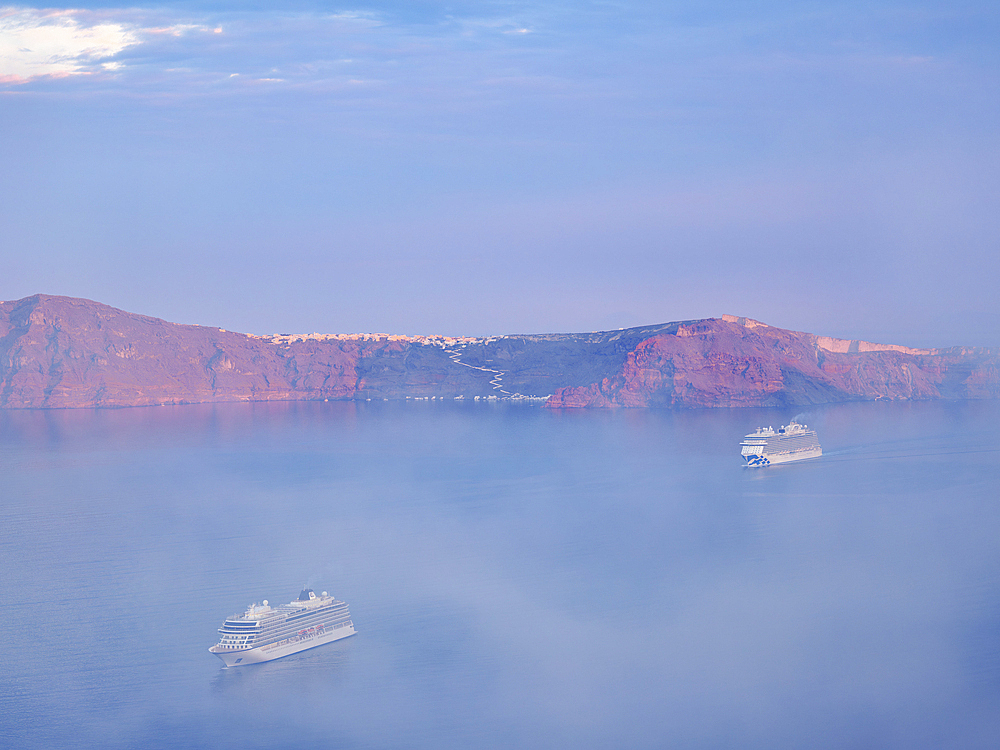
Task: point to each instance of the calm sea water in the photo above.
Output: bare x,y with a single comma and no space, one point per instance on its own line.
518,577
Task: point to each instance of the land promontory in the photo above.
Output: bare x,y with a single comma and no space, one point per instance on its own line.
64,352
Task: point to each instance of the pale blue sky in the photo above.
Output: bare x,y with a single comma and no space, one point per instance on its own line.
484,168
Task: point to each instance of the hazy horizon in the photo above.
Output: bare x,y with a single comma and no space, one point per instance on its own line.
488,168
431,334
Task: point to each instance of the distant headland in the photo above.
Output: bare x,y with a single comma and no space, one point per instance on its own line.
64,352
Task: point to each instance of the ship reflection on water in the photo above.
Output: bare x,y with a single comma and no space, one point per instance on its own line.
315,669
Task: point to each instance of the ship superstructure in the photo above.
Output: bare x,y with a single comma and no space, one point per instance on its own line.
263,633
791,442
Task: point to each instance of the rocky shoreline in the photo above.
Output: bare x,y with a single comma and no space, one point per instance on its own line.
63,352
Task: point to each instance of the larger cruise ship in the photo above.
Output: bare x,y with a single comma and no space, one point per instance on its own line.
263,633
791,442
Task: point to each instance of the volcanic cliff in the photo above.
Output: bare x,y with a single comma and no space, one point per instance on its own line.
58,352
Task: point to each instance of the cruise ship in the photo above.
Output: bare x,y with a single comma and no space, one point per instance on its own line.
792,442
263,633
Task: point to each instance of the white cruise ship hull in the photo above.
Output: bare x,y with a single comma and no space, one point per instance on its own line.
239,657
769,459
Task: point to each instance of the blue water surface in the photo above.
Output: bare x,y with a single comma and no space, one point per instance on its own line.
519,577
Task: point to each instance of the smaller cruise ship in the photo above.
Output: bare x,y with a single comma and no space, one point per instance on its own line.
263,633
791,442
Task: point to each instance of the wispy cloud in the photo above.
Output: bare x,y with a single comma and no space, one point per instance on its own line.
37,43
193,48
57,43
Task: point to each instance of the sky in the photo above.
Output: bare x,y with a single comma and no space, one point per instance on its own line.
485,168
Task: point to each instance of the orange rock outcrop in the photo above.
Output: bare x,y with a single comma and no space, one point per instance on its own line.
741,362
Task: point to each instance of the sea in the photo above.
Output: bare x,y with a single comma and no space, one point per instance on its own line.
519,577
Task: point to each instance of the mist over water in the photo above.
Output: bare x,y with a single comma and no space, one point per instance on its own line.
518,577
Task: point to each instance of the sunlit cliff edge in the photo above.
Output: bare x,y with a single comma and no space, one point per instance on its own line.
63,352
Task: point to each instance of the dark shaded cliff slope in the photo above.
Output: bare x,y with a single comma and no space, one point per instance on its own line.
64,352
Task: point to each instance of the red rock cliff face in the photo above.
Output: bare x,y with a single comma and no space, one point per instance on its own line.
58,352
740,362
64,352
